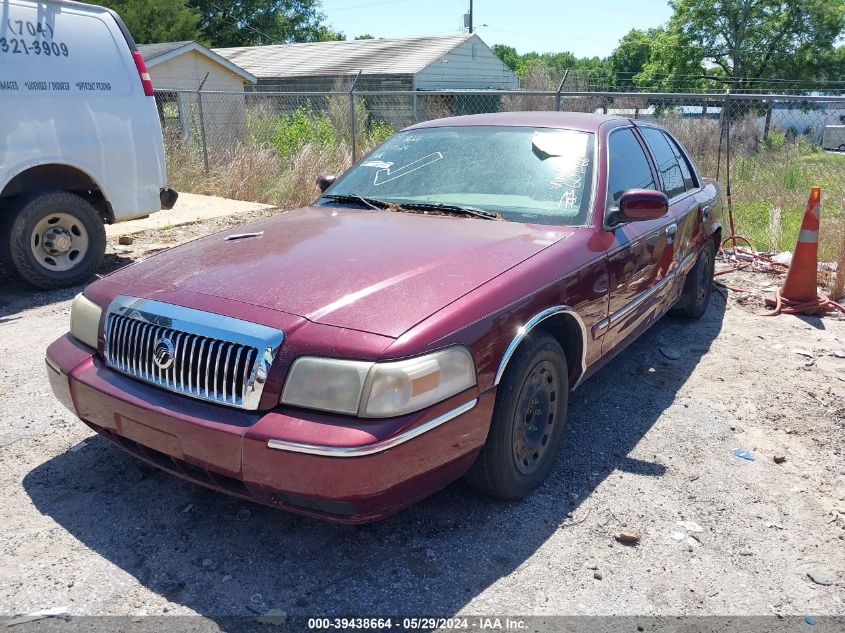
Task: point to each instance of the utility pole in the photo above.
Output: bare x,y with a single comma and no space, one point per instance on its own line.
470,16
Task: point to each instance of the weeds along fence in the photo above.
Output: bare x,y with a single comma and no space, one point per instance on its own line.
270,146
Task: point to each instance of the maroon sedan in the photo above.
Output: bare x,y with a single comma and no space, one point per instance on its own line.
425,319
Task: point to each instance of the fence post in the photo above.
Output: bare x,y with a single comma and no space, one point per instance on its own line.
353,123
560,89
416,108
202,123
768,123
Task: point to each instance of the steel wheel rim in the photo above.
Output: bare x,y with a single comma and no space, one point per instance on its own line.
703,277
59,242
535,418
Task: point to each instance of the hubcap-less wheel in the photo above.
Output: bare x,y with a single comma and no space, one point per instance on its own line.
704,277
534,419
59,241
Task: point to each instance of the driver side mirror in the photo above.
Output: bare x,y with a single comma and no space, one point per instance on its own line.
324,182
637,205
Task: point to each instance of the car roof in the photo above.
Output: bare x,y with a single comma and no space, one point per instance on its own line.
586,121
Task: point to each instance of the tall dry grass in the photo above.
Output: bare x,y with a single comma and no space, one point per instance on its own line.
280,156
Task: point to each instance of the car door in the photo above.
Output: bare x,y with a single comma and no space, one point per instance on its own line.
686,203
641,255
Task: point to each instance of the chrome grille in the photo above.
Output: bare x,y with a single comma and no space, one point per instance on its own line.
202,355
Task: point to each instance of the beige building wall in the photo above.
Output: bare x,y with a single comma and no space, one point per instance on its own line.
223,115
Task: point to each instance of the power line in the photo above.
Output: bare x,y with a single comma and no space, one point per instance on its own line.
369,4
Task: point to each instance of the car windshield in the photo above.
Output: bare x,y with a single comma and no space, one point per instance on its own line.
523,174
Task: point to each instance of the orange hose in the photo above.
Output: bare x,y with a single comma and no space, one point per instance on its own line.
821,305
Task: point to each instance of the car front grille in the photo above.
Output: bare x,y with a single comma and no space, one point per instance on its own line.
195,353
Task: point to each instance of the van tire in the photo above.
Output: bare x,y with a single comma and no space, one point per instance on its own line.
21,235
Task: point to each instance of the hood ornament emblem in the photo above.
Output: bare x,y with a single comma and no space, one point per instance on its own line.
164,353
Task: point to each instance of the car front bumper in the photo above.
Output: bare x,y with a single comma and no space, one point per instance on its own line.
339,468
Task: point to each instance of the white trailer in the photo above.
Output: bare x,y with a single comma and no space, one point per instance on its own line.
834,137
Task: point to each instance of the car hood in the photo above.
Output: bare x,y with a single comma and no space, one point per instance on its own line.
374,271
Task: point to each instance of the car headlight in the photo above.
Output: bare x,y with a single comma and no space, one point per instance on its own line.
85,320
378,390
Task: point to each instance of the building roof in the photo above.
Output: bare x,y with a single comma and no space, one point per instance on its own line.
401,56
155,54
150,51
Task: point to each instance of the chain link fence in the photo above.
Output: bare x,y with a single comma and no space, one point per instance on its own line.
270,146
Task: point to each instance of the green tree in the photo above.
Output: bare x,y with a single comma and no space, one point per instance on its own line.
628,60
327,34
365,36
508,55
152,21
675,64
750,39
254,22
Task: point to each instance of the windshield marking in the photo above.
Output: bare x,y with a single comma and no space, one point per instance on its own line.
386,175
381,164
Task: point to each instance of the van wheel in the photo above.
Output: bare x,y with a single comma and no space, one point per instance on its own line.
53,239
698,286
528,422
842,147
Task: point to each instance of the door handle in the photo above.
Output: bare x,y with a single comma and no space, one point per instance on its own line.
671,229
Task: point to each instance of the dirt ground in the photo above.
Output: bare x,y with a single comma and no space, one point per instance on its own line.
87,529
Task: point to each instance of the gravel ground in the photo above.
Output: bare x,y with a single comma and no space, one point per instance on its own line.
648,450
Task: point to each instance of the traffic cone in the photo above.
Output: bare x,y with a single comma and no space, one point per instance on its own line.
799,293
801,284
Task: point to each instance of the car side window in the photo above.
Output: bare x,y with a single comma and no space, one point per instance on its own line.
628,165
667,164
686,169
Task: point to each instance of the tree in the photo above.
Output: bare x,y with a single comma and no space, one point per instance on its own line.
508,55
365,36
327,34
751,39
253,22
628,60
675,64
152,21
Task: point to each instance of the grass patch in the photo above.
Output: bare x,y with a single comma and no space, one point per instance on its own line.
770,192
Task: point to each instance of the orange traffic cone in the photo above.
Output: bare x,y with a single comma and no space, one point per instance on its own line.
799,294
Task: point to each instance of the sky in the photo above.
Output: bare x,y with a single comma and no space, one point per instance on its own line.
586,28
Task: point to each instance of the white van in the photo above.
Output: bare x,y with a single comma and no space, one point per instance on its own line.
834,137
80,138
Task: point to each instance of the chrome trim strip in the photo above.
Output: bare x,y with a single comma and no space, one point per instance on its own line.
370,449
533,322
602,326
52,365
163,317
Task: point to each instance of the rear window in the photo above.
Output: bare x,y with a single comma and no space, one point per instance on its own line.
50,49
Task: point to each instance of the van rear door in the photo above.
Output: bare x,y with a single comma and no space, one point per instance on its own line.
71,94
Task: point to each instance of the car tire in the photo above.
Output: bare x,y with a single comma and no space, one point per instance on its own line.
52,239
698,287
528,422
842,148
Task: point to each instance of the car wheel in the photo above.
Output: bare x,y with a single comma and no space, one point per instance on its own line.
698,286
842,147
528,421
53,239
